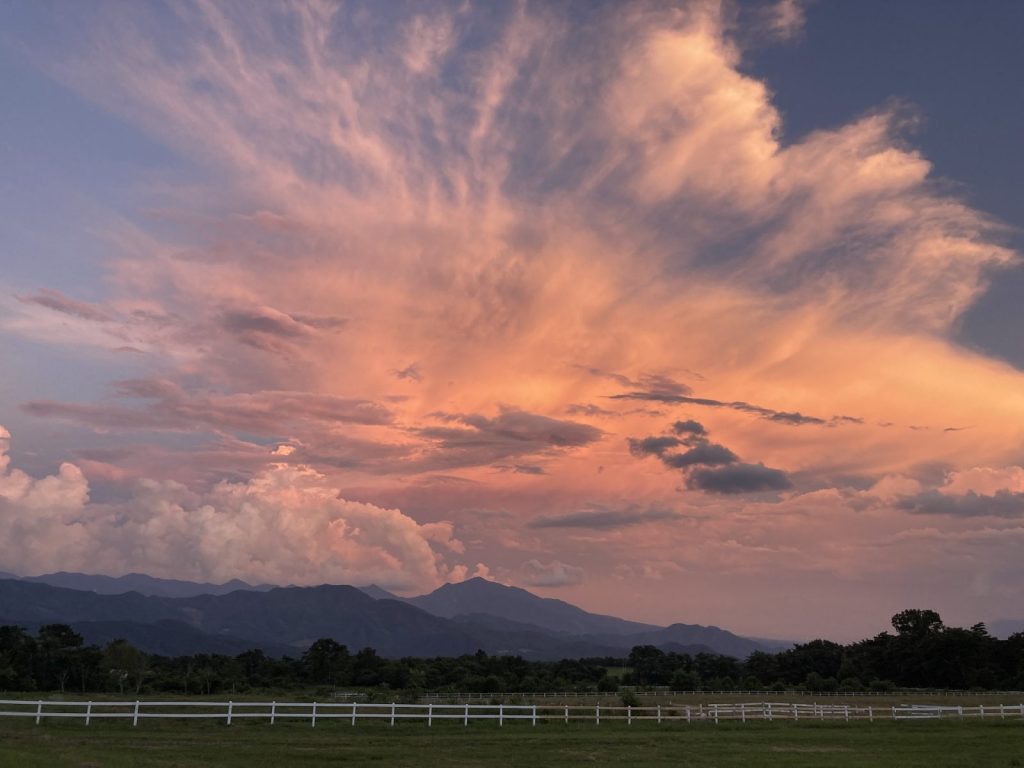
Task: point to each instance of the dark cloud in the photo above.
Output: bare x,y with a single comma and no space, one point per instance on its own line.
588,410
476,440
657,383
58,302
528,469
689,427
347,452
652,446
792,418
738,478
1000,504
602,518
518,426
409,373
265,327
708,466
707,454
522,469
263,321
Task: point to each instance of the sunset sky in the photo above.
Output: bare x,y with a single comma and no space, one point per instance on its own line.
701,312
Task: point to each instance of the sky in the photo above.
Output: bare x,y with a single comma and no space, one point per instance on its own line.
699,312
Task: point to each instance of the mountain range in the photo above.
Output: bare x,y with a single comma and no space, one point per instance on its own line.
141,583
174,617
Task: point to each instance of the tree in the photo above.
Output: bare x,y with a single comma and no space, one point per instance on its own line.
57,647
649,665
127,664
916,623
326,661
17,652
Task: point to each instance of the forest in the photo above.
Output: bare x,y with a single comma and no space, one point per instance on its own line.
920,652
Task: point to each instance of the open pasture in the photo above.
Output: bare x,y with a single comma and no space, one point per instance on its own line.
249,744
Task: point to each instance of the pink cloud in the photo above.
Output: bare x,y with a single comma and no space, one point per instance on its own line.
432,262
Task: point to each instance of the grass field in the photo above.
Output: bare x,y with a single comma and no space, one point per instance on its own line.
171,744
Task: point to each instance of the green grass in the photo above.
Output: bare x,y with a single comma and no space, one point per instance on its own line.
176,744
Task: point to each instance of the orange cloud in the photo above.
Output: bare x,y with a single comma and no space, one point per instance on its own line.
464,248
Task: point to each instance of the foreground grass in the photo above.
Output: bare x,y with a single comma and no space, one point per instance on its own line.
176,744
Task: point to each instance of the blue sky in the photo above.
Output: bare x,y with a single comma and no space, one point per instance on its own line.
956,65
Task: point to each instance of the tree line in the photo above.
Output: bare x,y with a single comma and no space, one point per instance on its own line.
921,653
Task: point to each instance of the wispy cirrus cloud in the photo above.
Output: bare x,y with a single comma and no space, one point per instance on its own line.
59,302
168,406
600,518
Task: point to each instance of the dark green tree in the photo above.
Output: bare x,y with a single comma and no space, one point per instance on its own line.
326,662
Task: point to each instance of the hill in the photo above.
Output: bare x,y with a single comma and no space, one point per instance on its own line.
453,620
480,596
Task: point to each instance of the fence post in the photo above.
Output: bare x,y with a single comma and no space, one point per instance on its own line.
597,715
430,715
392,713
88,712
796,712
894,713
629,715
312,723
846,712
871,714
135,719
687,713
354,706
534,714
273,711
716,713
39,712
229,713
659,714
501,715
1002,711
743,713
465,716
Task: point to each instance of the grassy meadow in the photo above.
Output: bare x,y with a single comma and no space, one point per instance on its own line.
178,744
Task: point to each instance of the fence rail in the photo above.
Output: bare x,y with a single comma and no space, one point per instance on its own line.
659,692
271,712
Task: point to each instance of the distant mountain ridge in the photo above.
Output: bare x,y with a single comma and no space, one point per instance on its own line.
377,593
481,596
141,583
177,617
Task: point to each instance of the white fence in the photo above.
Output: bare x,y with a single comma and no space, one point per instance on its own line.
271,712
666,692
